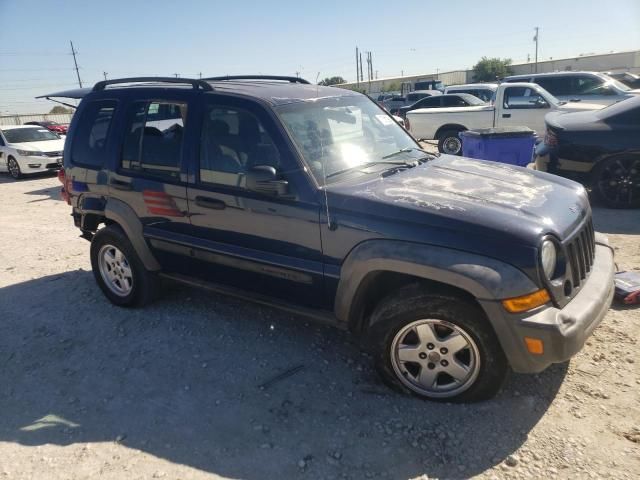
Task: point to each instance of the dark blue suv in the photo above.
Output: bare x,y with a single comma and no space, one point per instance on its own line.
313,199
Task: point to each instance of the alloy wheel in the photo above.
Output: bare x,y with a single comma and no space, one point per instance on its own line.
619,181
115,270
435,358
452,145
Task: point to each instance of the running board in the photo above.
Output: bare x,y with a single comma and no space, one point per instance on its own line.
322,316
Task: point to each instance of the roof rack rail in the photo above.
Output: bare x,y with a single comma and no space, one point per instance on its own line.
196,84
258,77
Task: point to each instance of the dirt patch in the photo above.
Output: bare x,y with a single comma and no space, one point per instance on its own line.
201,386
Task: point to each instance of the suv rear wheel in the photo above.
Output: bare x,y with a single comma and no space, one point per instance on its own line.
119,271
437,346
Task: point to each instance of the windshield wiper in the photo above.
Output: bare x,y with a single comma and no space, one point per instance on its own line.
371,164
409,149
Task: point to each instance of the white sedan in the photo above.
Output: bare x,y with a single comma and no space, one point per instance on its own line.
26,149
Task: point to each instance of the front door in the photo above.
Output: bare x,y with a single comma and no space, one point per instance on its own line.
523,107
253,241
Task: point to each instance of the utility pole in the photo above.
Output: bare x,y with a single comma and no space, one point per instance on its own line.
357,70
535,39
73,52
369,70
176,75
200,75
361,75
105,75
297,74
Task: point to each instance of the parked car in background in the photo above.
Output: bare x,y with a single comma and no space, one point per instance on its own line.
450,271
26,149
442,101
484,91
591,87
631,80
52,126
599,148
396,102
516,105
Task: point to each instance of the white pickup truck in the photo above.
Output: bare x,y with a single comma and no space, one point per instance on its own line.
516,104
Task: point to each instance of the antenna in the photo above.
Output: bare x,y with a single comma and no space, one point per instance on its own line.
73,52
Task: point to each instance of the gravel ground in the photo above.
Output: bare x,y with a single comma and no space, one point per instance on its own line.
189,388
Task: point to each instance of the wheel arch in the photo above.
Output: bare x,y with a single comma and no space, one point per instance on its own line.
118,212
449,126
377,267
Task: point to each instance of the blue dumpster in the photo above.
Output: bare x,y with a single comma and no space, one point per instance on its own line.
512,145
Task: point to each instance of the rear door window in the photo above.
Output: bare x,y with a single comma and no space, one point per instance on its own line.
454,102
153,142
90,139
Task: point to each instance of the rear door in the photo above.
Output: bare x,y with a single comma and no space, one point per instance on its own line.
253,241
523,107
150,176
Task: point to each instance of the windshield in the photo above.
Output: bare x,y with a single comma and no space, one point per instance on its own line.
340,133
24,135
616,83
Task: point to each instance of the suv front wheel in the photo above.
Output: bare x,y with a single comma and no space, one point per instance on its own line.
437,346
119,271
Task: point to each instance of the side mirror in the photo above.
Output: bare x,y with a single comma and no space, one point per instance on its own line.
264,179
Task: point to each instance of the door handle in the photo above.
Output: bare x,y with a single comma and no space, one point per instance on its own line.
121,184
208,202
506,115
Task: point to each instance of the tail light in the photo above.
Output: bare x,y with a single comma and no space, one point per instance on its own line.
550,138
406,123
64,191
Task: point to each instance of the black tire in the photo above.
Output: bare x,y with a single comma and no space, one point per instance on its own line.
13,167
144,284
415,302
447,139
616,181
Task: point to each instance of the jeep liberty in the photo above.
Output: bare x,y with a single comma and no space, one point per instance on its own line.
451,271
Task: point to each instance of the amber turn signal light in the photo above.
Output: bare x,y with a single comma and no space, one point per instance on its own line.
526,302
534,345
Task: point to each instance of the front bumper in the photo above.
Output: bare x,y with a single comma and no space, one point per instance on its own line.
39,164
562,331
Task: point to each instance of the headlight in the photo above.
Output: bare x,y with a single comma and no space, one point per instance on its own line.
29,153
548,257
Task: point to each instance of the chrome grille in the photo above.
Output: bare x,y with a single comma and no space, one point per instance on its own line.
581,251
53,154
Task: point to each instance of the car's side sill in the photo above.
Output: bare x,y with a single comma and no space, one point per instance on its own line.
321,316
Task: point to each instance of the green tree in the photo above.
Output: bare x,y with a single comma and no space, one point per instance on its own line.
60,109
491,69
392,87
332,81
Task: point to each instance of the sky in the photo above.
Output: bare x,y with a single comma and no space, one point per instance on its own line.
313,39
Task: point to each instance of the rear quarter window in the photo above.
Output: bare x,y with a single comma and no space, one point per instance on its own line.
90,138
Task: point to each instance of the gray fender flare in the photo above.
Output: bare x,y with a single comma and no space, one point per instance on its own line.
123,215
483,277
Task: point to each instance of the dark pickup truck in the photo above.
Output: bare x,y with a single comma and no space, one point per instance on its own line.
451,271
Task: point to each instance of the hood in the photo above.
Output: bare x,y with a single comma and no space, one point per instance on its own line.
584,121
493,199
43,146
579,106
